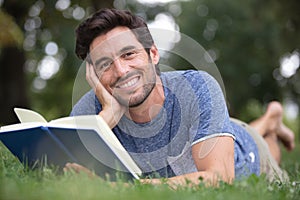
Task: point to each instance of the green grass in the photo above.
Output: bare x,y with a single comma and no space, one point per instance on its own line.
17,183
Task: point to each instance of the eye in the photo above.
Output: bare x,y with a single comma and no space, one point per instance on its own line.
105,65
129,55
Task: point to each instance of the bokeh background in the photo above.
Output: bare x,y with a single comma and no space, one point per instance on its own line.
254,43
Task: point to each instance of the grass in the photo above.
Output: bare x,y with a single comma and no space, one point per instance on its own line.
17,183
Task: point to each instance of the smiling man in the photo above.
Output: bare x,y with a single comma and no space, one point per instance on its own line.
123,66
174,124
127,72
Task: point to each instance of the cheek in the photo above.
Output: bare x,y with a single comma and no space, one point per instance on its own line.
106,81
143,61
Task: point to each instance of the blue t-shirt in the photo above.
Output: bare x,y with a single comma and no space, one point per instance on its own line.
194,110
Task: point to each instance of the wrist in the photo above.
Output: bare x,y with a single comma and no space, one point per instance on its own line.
108,119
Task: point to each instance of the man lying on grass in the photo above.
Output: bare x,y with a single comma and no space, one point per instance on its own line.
174,124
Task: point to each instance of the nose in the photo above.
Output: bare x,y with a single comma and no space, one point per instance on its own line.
120,68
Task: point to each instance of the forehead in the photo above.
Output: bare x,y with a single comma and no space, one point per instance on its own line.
114,40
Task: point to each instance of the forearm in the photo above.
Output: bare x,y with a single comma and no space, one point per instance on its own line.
110,119
112,114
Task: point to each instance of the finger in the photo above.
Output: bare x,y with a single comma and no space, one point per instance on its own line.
94,77
91,77
75,167
96,85
68,167
79,169
87,74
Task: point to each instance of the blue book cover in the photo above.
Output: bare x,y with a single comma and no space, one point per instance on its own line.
86,140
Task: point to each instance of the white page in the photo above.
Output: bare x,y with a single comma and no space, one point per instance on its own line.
25,115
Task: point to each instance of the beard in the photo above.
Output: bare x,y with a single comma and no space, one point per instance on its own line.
137,97
135,100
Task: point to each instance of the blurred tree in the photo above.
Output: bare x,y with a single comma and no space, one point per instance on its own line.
246,41
13,89
39,66
288,18
54,98
239,37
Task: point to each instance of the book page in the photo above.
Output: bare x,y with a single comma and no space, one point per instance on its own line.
20,126
86,122
25,115
125,157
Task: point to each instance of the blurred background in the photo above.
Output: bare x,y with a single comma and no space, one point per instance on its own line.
254,43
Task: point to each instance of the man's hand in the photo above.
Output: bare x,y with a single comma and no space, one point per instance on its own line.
78,169
112,111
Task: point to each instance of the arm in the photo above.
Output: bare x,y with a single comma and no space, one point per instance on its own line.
111,111
214,159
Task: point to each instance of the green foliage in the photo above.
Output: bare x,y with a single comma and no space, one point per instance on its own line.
247,39
11,35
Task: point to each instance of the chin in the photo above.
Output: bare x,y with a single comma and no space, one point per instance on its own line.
131,103
137,98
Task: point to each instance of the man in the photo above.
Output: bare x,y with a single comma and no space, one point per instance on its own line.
173,124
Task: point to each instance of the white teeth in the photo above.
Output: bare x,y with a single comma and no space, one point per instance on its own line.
129,83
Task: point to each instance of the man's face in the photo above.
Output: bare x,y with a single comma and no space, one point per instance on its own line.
123,66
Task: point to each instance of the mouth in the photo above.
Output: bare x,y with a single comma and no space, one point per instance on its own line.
128,83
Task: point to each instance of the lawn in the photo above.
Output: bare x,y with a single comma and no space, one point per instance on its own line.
17,183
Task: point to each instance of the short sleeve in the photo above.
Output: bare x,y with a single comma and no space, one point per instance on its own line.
209,116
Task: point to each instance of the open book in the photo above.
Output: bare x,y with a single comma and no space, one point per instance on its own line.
86,140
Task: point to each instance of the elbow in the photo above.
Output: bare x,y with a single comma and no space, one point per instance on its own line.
225,173
229,177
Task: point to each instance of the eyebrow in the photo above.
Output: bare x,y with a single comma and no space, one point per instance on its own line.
98,61
123,50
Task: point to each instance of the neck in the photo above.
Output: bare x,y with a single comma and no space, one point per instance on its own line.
150,107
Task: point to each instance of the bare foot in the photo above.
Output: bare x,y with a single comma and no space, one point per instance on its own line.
273,117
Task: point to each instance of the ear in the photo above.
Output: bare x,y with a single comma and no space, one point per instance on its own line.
154,54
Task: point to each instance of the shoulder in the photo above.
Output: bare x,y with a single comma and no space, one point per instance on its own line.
183,73
193,80
85,105
191,76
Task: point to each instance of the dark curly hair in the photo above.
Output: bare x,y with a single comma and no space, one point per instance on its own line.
105,20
